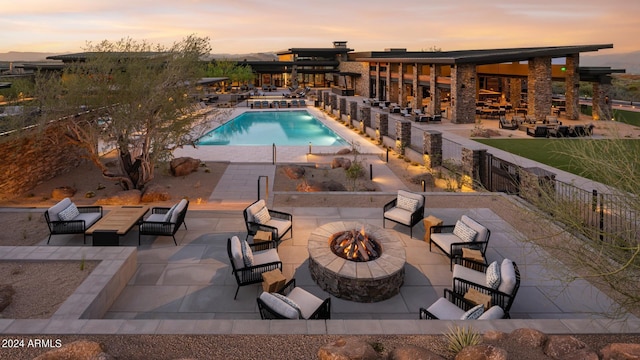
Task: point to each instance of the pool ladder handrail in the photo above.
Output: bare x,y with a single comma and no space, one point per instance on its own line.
266,186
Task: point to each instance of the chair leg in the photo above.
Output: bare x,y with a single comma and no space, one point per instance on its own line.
185,225
236,295
139,243
49,239
84,239
174,240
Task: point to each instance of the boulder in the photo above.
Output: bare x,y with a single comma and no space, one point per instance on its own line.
582,354
77,350
344,152
316,186
412,352
620,351
340,162
294,172
154,192
6,295
128,197
528,337
347,349
332,185
494,335
558,346
482,352
184,166
62,192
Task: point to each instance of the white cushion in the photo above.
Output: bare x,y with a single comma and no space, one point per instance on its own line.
279,306
289,302
399,215
254,208
474,276
179,208
89,218
236,253
482,231
464,232
265,256
507,277
69,213
247,253
493,275
473,313
55,209
156,218
281,224
262,216
411,195
307,302
443,309
407,203
444,240
167,215
494,312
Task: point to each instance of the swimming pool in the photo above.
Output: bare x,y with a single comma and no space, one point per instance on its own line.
293,128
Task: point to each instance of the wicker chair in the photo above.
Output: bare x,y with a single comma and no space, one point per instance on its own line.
446,238
87,216
454,306
406,209
164,221
465,278
310,306
265,258
278,223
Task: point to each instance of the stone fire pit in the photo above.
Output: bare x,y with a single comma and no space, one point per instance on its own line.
369,281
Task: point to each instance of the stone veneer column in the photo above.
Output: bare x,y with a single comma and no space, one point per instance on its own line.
601,102
326,96
377,86
320,95
342,105
401,95
353,110
417,95
463,94
403,135
381,124
434,103
474,166
387,90
515,91
537,184
432,148
364,114
539,90
572,86
333,100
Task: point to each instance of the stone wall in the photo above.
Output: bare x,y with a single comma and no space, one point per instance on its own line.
602,107
432,148
474,166
463,94
403,135
353,110
34,158
539,88
572,87
536,181
362,82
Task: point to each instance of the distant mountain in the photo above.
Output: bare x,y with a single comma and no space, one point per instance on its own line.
250,57
628,61
25,56
20,56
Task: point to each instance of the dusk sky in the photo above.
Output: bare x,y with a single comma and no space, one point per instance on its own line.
243,26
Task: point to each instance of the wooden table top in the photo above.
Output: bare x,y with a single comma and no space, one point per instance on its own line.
120,220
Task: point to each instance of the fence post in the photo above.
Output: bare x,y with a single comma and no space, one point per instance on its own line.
601,225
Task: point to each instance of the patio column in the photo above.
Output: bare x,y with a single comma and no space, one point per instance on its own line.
572,86
403,135
401,95
539,89
377,85
353,110
602,109
364,114
416,103
343,105
432,148
381,125
515,91
434,104
387,86
463,94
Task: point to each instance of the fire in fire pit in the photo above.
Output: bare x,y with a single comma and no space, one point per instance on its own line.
355,245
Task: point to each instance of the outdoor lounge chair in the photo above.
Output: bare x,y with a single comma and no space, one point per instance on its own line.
537,130
558,131
258,217
249,261
455,307
406,209
293,303
436,118
466,233
67,218
506,124
164,221
502,285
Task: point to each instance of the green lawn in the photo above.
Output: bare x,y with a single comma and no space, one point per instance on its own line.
553,152
624,116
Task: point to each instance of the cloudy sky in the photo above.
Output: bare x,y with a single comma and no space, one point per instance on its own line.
243,26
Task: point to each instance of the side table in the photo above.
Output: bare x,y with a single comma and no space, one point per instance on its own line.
273,281
261,236
429,222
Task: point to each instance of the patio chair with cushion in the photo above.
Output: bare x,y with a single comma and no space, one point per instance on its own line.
164,221
466,233
506,124
500,280
249,261
406,209
67,218
293,303
537,130
455,307
258,217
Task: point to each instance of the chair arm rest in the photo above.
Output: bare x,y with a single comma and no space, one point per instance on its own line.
440,228
160,210
426,315
479,245
390,205
280,215
476,265
417,215
323,311
90,209
458,300
288,287
461,286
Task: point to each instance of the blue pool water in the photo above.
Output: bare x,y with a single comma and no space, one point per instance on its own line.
273,127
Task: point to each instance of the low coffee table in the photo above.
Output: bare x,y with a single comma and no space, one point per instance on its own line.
118,222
